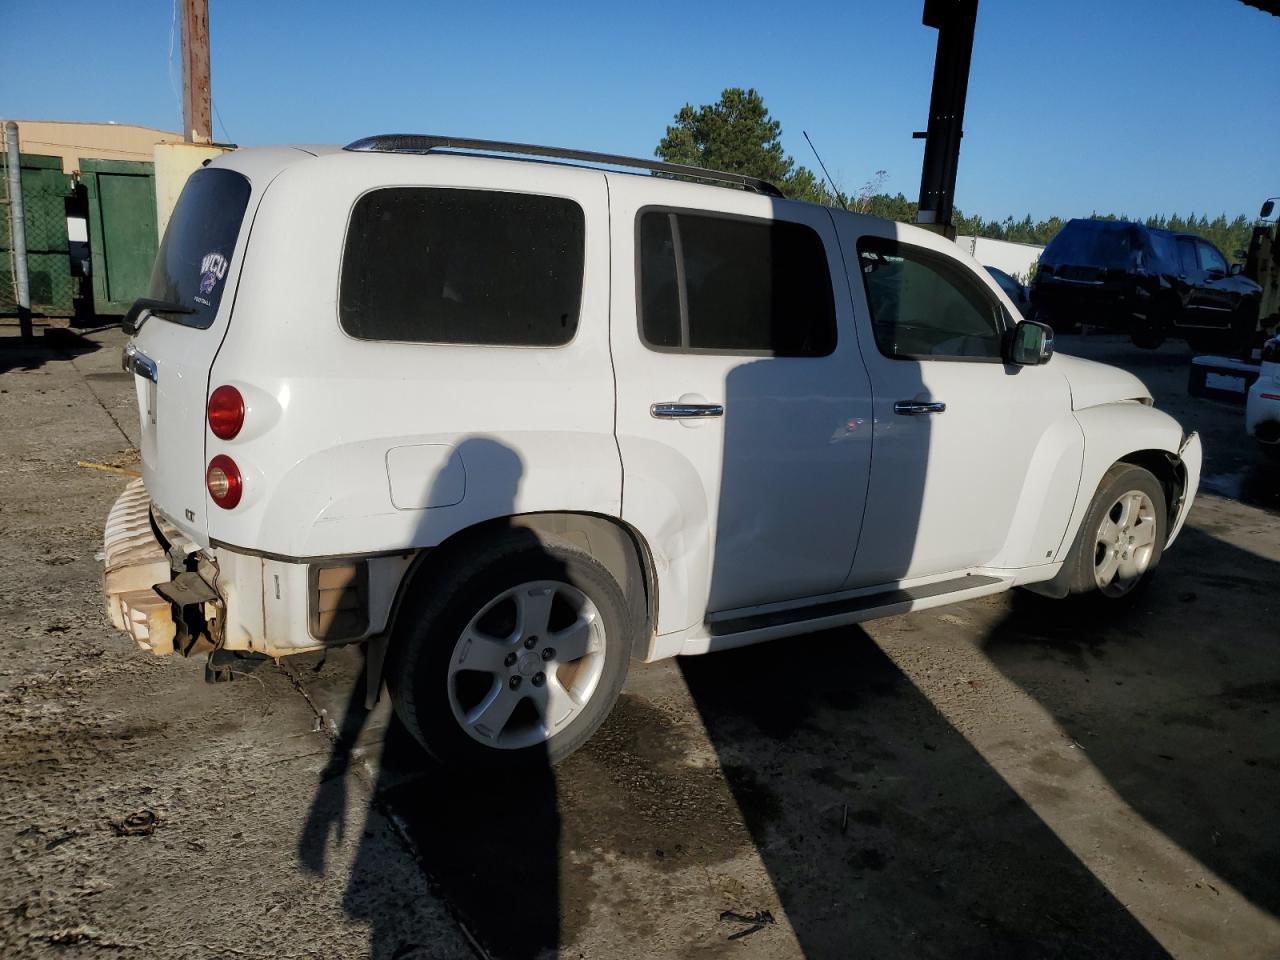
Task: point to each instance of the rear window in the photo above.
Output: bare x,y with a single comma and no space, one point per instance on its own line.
436,265
191,265
1094,243
718,284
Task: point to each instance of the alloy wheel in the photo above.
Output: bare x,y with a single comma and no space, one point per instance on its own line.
1125,543
527,664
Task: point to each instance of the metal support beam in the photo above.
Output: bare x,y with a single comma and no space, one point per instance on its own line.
197,126
18,230
954,20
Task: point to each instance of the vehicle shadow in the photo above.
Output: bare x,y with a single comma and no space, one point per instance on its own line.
1181,710
487,843
884,832
55,343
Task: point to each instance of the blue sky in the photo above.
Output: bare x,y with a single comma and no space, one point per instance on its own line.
1129,105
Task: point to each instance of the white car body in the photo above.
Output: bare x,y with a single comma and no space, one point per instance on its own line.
808,504
1262,409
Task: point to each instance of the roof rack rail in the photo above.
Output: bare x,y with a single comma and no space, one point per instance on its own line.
420,143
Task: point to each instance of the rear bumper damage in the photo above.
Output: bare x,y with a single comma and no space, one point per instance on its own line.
172,596
135,562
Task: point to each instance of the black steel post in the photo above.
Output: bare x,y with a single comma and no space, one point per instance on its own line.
954,20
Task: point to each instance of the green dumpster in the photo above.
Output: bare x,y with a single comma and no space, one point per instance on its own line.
122,230
45,189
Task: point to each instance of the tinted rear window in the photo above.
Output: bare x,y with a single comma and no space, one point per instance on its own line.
191,265
433,265
734,285
1094,243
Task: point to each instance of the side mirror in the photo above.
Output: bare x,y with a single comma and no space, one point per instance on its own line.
1236,268
1267,208
1030,344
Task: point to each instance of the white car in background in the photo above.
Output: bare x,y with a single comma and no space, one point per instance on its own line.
515,425
1262,411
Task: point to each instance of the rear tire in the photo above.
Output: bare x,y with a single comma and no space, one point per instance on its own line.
1244,334
1147,335
1122,536
513,657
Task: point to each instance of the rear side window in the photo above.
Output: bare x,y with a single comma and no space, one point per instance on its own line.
924,306
1187,256
191,265
714,284
1165,251
435,265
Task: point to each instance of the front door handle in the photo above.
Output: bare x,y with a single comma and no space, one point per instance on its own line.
686,411
917,408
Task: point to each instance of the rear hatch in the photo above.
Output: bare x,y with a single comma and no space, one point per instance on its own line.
196,265
1092,251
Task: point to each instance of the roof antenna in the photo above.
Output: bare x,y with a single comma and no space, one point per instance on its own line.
839,196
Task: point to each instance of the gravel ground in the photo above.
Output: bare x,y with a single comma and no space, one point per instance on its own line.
92,732
1004,778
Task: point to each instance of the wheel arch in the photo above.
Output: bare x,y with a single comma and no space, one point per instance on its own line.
1169,469
615,544
1170,473
1116,432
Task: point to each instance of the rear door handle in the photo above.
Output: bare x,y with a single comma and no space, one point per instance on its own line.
917,408
135,361
686,411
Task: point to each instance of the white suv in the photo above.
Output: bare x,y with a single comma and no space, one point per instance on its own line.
516,422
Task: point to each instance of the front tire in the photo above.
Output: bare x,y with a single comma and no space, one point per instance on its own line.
1122,536
513,658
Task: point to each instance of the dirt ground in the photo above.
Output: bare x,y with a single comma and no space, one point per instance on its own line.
1005,778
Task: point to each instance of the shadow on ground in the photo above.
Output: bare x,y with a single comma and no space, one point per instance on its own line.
52,344
1176,702
884,831
489,846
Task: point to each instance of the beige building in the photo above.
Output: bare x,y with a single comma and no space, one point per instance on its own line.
73,141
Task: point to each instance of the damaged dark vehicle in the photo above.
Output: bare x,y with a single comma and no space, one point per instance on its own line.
1152,284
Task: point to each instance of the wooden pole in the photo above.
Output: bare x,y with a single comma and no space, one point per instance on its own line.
196,121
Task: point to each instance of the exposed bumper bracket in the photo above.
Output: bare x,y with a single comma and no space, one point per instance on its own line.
135,563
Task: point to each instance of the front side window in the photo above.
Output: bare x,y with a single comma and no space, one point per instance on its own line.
925,306
731,285
193,260
437,265
1211,259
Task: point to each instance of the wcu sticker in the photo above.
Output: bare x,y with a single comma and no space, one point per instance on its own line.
212,269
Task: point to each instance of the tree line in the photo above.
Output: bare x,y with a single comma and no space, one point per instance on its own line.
738,135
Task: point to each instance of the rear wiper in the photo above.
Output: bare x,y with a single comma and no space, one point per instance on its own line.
143,307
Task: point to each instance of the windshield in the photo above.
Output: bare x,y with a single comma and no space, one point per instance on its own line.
191,265
1094,243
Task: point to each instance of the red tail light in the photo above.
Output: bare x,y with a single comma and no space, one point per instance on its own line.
226,412
223,481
